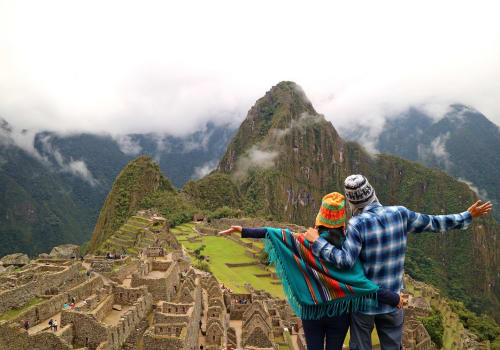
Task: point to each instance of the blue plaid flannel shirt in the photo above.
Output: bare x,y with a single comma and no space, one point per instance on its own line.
378,237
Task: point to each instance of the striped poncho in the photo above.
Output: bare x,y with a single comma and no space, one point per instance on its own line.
313,286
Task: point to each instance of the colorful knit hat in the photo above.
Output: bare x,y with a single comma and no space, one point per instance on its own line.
332,212
359,192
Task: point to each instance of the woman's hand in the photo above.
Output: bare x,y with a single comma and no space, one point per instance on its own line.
230,230
400,305
311,235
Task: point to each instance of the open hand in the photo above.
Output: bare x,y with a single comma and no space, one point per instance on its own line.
311,234
477,210
230,230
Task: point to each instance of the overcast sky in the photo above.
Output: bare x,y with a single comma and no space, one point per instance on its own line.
142,66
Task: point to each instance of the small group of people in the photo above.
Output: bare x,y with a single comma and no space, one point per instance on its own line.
115,256
242,301
225,289
53,325
349,274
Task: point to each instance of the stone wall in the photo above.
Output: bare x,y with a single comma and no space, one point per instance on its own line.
160,288
128,296
102,265
18,297
119,275
237,311
104,307
87,330
161,265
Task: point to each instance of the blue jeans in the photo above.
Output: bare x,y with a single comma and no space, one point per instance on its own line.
389,330
331,329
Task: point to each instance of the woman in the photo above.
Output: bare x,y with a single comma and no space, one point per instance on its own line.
320,294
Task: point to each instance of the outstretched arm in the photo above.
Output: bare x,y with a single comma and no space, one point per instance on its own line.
439,223
246,232
343,259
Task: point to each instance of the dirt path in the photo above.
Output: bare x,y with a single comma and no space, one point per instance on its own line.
201,337
237,325
43,326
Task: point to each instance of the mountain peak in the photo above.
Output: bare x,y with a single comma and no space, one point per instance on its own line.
283,108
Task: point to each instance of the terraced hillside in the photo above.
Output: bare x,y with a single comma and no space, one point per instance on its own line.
131,237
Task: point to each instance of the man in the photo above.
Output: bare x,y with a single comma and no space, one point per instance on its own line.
377,234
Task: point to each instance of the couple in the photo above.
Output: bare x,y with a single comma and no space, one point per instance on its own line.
326,274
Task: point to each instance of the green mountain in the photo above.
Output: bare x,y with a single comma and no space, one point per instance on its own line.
285,157
77,171
137,180
464,143
36,210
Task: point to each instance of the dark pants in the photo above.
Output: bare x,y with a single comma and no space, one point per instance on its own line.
389,329
331,329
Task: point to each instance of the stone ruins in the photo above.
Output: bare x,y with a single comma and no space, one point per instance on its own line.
143,293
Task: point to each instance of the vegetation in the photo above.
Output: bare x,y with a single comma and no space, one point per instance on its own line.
140,178
13,313
434,326
222,250
483,326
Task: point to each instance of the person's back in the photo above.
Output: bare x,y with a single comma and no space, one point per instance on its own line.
377,235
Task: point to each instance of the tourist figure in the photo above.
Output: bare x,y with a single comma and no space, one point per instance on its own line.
51,323
72,305
201,347
376,235
73,300
26,324
55,325
200,324
320,294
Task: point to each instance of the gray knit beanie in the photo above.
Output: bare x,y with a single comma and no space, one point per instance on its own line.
359,193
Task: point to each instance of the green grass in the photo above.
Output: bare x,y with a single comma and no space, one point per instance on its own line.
8,315
222,250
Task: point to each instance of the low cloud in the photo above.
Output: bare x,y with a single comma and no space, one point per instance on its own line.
76,167
205,169
480,192
436,151
127,144
256,157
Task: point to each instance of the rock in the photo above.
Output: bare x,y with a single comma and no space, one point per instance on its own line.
117,307
10,268
2,269
43,256
17,259
66,251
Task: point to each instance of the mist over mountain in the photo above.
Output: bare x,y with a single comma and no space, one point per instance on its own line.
463,143
285,157
65,179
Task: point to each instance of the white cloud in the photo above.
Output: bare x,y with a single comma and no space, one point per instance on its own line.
205,169
127,144
480,192
255,157
436,150
83,66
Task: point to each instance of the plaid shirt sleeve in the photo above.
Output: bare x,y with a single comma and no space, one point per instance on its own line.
342,259
437,223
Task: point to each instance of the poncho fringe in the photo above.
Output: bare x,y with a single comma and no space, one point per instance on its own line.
346,304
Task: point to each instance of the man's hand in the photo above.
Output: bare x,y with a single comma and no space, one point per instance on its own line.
311,235
477,210
230,230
